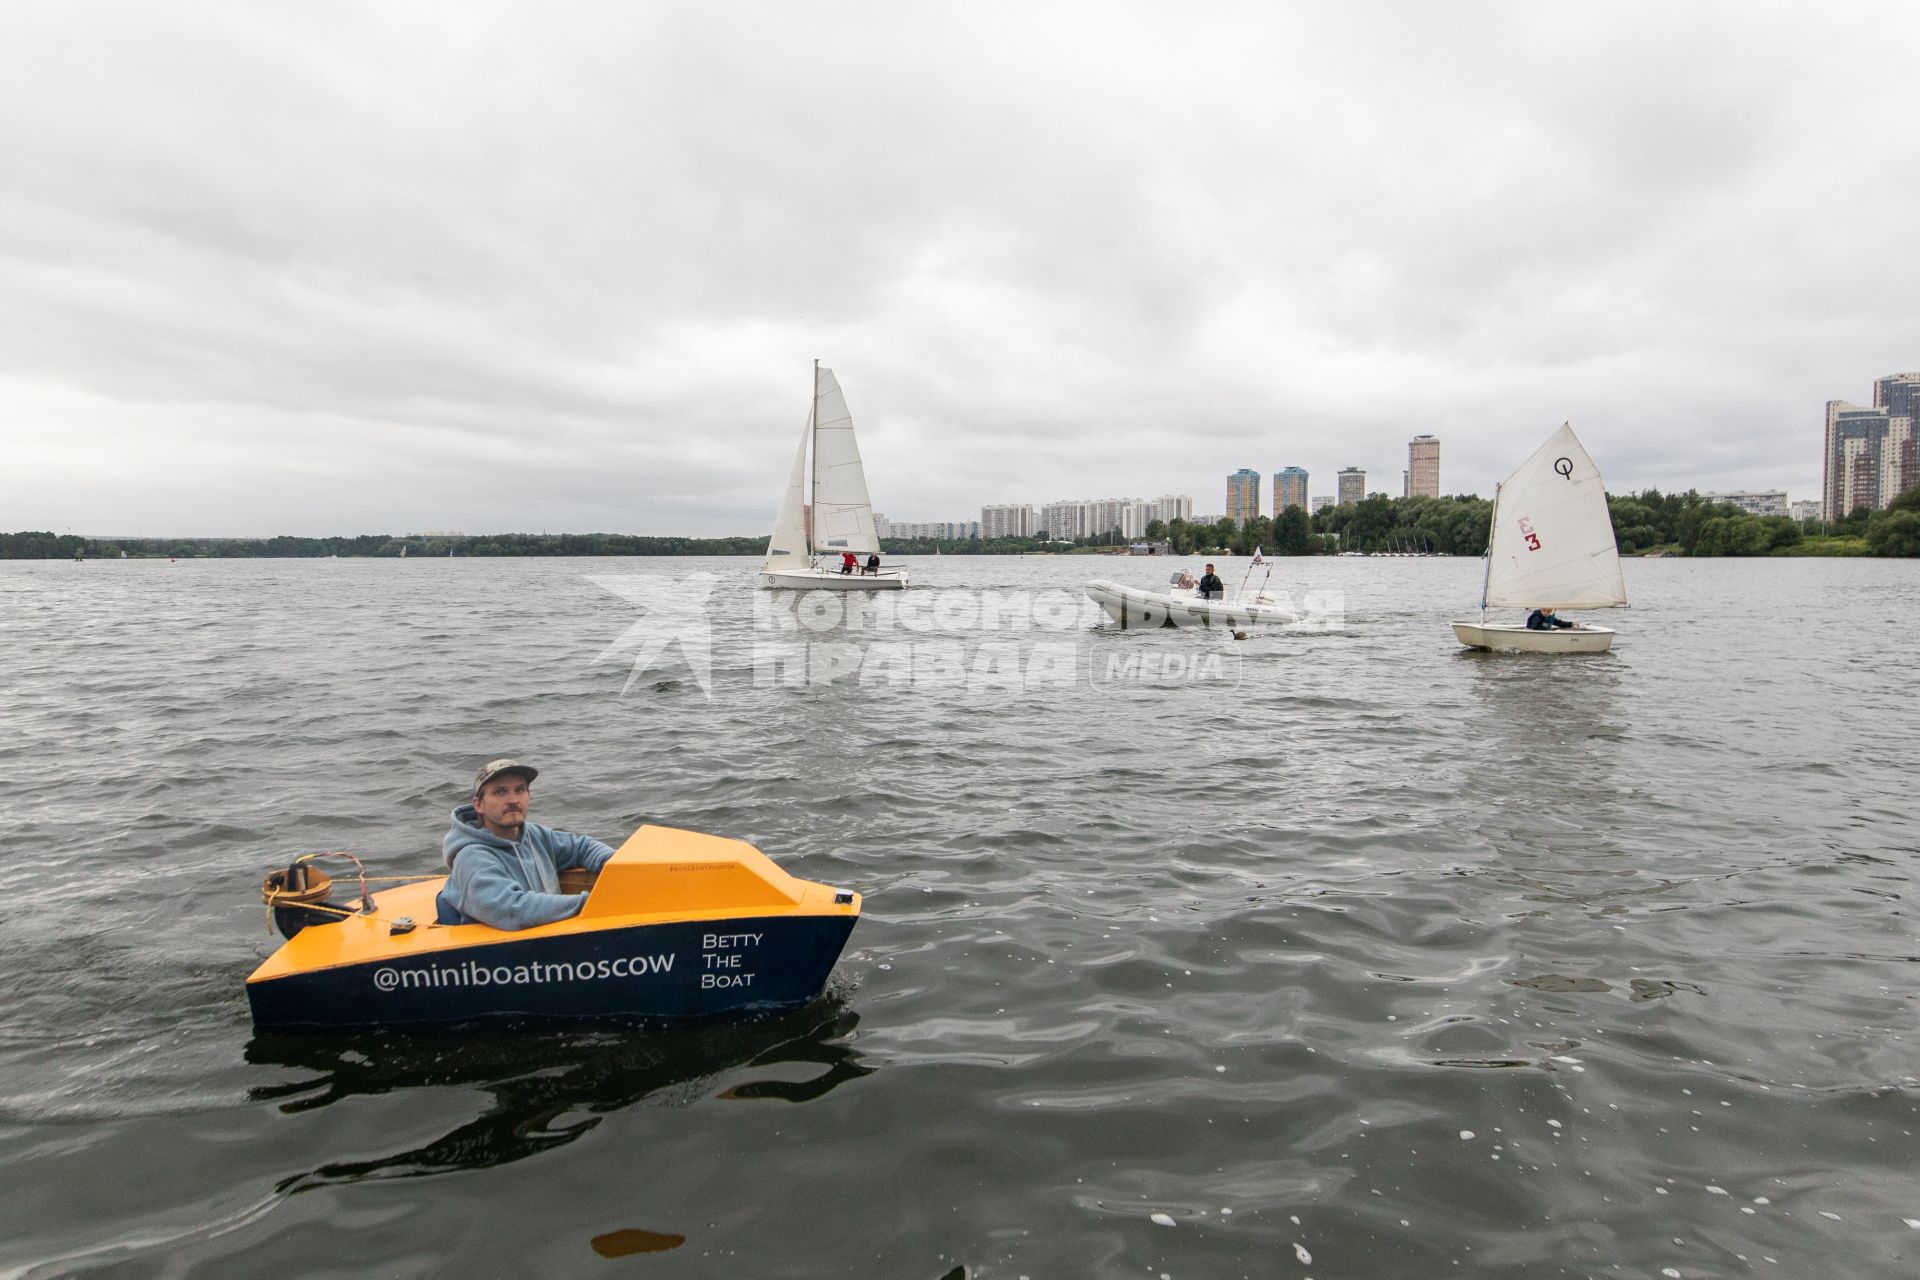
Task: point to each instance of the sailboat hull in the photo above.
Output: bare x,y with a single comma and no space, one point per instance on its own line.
1512,638
833,580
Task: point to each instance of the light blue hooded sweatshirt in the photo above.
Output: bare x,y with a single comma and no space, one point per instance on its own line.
494,881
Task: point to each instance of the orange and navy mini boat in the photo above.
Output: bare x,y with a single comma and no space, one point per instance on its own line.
676,925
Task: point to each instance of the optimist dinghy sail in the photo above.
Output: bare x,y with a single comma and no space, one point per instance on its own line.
1551,546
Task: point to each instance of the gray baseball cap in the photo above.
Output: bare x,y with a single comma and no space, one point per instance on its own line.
494,768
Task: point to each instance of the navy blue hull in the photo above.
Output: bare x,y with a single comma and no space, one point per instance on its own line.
686,970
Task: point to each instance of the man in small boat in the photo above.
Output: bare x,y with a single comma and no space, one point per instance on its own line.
1211,588
503,870
847,562
873,563
1542,619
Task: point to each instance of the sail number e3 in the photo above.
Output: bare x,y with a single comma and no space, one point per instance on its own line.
1526,531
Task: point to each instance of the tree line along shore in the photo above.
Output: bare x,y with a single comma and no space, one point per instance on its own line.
1645,523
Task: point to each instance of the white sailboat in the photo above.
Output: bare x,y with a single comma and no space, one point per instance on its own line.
842,511
1551,546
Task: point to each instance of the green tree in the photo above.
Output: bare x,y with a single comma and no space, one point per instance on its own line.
1738,534
1894,533
1854,523
1293,533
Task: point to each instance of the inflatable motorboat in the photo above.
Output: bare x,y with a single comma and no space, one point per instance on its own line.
1179,607
676,925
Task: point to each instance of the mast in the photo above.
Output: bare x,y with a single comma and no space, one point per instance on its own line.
1486,576
813,437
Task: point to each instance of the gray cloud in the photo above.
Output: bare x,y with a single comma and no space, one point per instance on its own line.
340,269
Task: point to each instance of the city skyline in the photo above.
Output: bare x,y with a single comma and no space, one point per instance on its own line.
1871,458
1024,519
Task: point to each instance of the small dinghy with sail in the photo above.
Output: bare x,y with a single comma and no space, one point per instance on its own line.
676,925
1551,546
809,555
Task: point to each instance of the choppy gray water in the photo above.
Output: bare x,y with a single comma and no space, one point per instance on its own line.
1386,960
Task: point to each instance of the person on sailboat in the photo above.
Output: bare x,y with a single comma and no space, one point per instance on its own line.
1543,620
1211,588
873,563
848,562
504,871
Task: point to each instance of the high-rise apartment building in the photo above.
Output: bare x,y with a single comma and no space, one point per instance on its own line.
1109,515
1170,507
1321,503
1869,458
1353,485
1423,467
1289,488
1243,495
1063,521
1009,520
1755,502
929,530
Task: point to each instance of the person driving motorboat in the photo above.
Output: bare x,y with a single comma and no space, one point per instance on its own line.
502,870
1211,588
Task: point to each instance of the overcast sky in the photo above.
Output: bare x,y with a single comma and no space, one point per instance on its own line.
387,267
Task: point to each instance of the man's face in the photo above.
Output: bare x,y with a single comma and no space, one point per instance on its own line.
504,801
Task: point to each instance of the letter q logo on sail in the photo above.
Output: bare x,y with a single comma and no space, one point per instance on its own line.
386,979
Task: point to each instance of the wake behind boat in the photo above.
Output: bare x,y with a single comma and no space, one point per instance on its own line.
810,554
1551,547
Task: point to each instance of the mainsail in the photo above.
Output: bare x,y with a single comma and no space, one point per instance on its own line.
842,511
1552,542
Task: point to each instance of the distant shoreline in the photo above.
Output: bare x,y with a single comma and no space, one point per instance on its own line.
1648,523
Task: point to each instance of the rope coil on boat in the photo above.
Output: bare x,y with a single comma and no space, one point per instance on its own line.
307,887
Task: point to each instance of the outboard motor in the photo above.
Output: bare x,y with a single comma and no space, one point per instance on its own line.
295,894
